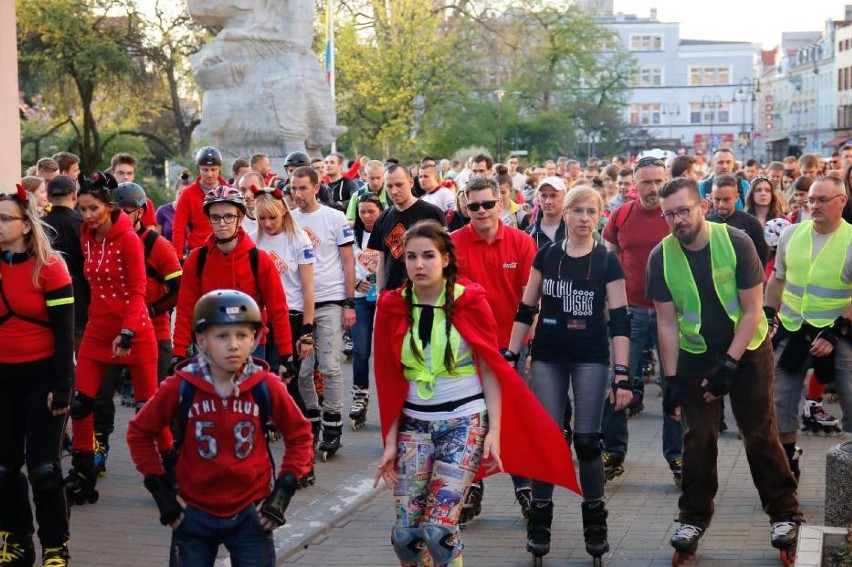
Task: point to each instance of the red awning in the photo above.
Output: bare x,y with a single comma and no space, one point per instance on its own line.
835,142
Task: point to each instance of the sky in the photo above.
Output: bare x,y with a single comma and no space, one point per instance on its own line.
759,21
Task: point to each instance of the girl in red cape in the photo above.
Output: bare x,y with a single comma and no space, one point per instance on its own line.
452,409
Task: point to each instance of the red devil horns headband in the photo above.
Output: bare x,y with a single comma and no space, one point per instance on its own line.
23,196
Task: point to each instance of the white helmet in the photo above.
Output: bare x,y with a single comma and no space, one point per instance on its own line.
773,229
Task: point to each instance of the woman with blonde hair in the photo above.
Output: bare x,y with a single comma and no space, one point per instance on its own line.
291,250
575,280
37,187
37,370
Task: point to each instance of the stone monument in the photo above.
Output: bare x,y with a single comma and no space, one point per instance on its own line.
264,89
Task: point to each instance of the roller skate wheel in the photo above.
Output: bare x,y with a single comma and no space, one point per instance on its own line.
788,557
680,557
324,455
597,561
537,561
93,497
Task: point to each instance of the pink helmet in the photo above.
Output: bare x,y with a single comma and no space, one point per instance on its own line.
224,194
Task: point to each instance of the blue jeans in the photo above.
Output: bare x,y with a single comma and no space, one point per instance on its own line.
589,383
197,540
362,336
643,334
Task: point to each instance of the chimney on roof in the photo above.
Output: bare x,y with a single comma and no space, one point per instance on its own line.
653,17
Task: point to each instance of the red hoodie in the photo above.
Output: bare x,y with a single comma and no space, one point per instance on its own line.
115,270
224,464
162,266
531,443
191,227
233,271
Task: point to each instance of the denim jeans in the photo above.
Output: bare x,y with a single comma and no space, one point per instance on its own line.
362,341
273,356
196,541
788,387
752,403
590,383
643,334
328,345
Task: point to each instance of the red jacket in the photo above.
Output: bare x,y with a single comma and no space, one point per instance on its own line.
219,471
191,227
531,443
164,268
115,270
233,271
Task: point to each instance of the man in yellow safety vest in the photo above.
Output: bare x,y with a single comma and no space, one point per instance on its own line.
706,282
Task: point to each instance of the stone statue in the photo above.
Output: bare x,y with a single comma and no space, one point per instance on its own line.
264,90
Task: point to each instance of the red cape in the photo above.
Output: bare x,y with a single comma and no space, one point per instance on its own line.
531,443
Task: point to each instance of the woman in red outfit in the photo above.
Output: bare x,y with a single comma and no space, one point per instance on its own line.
119,329
36,376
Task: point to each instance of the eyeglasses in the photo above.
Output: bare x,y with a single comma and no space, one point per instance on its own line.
682,214
230,218
9,218
487,205
822,200
649,161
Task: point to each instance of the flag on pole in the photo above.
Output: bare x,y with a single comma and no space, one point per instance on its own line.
329,46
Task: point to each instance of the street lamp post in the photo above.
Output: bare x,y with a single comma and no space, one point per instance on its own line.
500,93
748,88
712,103
672,110
797,108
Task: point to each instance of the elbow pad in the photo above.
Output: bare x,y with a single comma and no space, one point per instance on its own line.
619,322
525,314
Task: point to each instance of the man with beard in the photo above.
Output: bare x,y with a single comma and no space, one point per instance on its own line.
707,285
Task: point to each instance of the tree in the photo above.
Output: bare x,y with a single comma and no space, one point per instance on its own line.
76,52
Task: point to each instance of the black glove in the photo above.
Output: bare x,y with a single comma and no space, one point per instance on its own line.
289,368
276,503
165,496
719,383
61,398
621,385
771,317
510,356
671,394
174,362
126,336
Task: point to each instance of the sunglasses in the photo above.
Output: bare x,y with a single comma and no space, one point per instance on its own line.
369,198
649,161
487,205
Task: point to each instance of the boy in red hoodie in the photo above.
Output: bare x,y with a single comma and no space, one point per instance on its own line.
219,399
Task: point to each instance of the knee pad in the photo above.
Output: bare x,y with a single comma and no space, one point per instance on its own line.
81,406
45,476
587,446
408,543
444,542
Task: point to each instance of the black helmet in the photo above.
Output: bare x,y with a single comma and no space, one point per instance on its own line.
208,155
297,159
225,307
129,195
224,194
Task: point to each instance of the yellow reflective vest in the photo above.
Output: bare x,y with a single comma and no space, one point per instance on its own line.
814,290
681,284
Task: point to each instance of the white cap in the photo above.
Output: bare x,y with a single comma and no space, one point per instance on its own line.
556,182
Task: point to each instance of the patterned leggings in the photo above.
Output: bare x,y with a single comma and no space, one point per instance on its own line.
436,462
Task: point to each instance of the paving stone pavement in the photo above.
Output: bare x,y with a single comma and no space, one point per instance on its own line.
342,521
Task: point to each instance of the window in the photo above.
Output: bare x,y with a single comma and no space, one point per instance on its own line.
646,43
646,114
709,113
648,77
709,76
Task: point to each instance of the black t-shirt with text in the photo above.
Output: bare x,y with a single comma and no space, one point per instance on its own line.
572,322
388,232
716,327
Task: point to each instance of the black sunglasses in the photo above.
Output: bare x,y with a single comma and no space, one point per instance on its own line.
648,161
369,198
487,205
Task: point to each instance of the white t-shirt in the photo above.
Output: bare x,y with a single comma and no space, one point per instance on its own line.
366,261
442,198
518,181
327,229
249,224
288,253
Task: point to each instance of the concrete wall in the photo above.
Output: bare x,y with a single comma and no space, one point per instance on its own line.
10,125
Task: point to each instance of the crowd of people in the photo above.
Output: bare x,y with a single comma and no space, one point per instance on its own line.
519,313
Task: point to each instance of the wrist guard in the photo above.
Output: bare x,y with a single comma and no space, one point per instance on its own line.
61,398
289,367
719,383
510,356
525,314
621,385
771,316
276,503
307,329
349,303
621,370
126,336
165,496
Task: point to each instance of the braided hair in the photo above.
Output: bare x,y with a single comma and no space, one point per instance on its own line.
439,236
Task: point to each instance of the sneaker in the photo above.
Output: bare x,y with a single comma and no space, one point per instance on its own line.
55,556
14,552
524,498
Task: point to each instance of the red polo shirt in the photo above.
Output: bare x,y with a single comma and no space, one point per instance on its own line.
502,267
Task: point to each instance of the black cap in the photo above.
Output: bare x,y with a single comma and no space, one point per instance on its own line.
61,186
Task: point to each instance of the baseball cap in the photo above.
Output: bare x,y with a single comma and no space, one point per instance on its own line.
556,182
61,186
